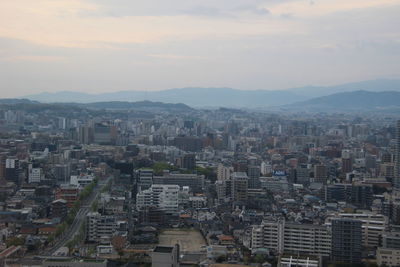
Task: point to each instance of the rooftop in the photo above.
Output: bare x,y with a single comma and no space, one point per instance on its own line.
163,249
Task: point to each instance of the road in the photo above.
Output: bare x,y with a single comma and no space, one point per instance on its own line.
80,217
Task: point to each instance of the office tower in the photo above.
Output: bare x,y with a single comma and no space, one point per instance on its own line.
320,174
187,161
302,174
387,170
2,167
396,182
373,226
85,135
104,134
253,172
12,170
347,165
358,194
224,190
223,172
35,175
62,173
370,162
240,166
188,143
346,240
240,182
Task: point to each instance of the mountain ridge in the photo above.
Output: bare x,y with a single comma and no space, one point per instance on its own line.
220,96
360,100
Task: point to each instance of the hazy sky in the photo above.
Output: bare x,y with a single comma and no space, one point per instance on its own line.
112,45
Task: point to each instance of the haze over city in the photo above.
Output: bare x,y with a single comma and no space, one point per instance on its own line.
106,46
199,133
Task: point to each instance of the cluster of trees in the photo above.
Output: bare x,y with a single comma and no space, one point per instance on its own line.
15,241
159,167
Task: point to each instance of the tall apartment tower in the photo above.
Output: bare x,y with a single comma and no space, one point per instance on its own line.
346,240
254,172
320,174
240,182
396,182
12,170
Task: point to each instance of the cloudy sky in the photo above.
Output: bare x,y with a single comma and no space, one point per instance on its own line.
113,45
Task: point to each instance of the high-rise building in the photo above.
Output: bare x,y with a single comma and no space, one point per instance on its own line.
373,226
320,174
347,165
396,182
302,174
164,197
284,237
62,173
224,172
224,190
253,172
346,240
104,134
240,182
187,161
85,134
35,175
360,195
188,143
12,170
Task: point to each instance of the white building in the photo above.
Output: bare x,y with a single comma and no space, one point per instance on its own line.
198,202
388,257
223,172
81,180
35,175
296,261
165,197
282,237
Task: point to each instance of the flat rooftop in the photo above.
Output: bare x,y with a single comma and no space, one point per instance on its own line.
163,249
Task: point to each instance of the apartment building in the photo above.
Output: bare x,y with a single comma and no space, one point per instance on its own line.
164,197
283,237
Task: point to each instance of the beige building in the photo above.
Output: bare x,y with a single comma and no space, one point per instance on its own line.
387,256
283,237
373,226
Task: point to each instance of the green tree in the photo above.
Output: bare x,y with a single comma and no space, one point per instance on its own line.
15,241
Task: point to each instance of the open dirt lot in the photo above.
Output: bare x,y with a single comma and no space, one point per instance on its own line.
188,240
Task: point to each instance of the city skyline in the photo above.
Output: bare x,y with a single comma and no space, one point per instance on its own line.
97,47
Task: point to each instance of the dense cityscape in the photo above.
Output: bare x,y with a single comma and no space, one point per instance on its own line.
168,185
200,133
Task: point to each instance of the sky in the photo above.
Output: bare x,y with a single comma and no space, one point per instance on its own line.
97,46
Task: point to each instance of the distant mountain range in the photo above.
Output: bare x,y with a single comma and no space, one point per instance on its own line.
141,106
354,101
221,97
351,101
